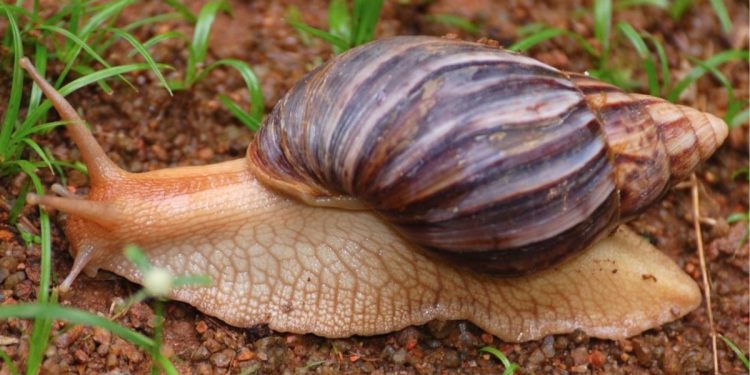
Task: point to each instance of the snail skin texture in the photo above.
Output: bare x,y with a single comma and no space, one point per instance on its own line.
411,179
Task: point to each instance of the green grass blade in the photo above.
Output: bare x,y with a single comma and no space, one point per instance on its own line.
701,69
78,41
141,49
535,38
109,10
42,325
156,39
138,258
624,4
737,352
678,8
251,82
335,41
9,362
340,23
722,15
23,133
182,9
33,117
16,88
510,368
458,22
603,25
648,61
75,316
364,20
34,146
159,18
740,118
40,62
244,117
538,33
663,61
199,45
294,15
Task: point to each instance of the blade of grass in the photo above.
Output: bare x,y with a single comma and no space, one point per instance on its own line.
603,26
75,316
34,146
32,117
340,23
624,4
159,38
251,81
42,325
740,118
9,362
109,10
537,37
701,69
294,15
648,61
199,45
14,101
510,368
678,8
328,37
364,19
40,61
737,352
239,113
182,9
663,61
455,21
722,15
540,33
137,46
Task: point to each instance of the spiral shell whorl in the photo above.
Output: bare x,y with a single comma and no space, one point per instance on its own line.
488,157
654,143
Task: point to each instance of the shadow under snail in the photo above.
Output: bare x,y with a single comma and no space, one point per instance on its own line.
411,179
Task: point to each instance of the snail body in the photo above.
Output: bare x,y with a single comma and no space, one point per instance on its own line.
394,183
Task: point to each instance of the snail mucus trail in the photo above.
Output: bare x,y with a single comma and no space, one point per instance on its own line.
392,153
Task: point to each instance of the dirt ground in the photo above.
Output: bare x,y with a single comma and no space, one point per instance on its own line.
148,130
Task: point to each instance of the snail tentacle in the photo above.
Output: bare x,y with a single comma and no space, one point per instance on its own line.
100,168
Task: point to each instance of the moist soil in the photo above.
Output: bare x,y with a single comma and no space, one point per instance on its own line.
148,129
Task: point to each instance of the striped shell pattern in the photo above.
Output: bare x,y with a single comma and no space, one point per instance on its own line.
493,159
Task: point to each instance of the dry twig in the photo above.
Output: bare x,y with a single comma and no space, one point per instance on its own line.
704,268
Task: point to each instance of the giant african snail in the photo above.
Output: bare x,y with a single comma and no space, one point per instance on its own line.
495,161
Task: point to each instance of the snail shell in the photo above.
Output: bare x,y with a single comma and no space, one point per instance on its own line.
492,159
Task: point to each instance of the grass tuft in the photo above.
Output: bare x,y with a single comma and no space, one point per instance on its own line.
346,29
510,368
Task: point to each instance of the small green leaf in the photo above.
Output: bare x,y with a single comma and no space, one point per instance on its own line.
455,21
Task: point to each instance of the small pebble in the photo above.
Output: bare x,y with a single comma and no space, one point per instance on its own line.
13,279
440,329
580,355
201,327
536,357
597,359
200,354
222,358
450,358
399,357
80,356
579,337
212,345
203,368
101,335
548,346
245,355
